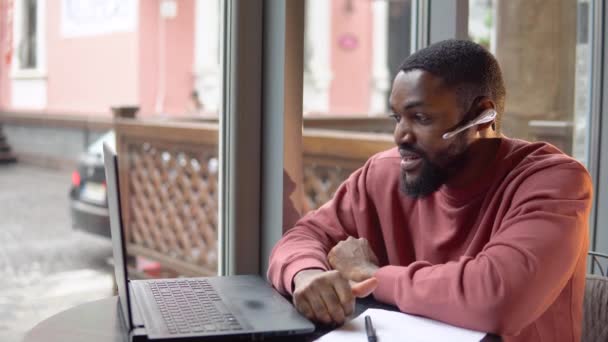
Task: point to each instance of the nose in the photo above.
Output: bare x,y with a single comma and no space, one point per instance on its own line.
403,133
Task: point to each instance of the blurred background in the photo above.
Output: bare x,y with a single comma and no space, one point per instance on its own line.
146,77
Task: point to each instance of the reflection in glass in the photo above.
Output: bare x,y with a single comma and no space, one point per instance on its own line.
352,51
544,50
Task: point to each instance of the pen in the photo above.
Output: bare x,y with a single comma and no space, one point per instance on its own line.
369,330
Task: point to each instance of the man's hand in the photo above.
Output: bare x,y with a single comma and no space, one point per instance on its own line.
354,259
326,296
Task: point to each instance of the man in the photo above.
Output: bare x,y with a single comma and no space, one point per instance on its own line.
470,228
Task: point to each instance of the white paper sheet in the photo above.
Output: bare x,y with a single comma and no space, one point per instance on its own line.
397,326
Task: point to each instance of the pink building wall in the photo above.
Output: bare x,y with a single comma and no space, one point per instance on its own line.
89,74
178,49
4,50
351,57
148,55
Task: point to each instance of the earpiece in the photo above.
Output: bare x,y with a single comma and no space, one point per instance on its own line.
488,115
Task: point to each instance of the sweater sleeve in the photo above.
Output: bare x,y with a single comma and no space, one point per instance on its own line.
521,270
306,245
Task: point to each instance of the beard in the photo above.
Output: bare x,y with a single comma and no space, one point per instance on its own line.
431,178
433,174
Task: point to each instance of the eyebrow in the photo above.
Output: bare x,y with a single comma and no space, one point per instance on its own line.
411,105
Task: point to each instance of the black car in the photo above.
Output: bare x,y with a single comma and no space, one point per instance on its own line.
88,194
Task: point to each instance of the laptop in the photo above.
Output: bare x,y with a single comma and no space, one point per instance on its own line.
234,307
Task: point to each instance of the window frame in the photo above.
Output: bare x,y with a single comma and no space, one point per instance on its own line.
240,138
258,106
598,127
39,70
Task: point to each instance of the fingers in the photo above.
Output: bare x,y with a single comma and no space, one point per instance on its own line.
311,305
327,298
364,288
333,306
359,274
309,301
331,257
349,255
345,296
319,308
370,253
304,308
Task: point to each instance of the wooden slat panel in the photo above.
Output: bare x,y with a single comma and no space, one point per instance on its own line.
168,189
185,133
168,175
347,145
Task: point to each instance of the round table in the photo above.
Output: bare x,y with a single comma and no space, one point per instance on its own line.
97,321
100,321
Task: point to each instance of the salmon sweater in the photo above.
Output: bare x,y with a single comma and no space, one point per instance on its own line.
506,255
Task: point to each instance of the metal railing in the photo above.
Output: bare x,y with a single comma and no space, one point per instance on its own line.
599,262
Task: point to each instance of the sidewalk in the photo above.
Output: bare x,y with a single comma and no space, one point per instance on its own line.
45,266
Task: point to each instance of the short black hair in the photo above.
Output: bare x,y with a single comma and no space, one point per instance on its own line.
465,66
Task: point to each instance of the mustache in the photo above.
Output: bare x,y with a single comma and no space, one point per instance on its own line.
412,149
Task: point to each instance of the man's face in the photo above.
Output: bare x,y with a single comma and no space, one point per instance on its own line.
424,109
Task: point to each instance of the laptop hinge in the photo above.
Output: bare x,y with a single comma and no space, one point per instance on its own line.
138,321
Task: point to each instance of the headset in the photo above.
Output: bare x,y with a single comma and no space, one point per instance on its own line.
486,116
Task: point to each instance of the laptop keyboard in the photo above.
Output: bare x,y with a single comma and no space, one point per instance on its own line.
192,306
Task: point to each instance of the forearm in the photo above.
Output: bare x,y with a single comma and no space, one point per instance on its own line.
307,244
439,292
493,293
301,248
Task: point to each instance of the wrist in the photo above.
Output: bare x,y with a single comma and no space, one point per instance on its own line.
304,274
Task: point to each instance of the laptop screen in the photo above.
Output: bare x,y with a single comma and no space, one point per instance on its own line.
118,245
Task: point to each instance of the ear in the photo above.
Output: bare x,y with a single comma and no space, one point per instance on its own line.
484,103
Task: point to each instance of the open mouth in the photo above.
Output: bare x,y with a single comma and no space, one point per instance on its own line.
409,161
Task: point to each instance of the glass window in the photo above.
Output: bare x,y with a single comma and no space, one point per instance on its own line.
545,59
352,51
171,166
143,76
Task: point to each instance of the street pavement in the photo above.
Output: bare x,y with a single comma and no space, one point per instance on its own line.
45,266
